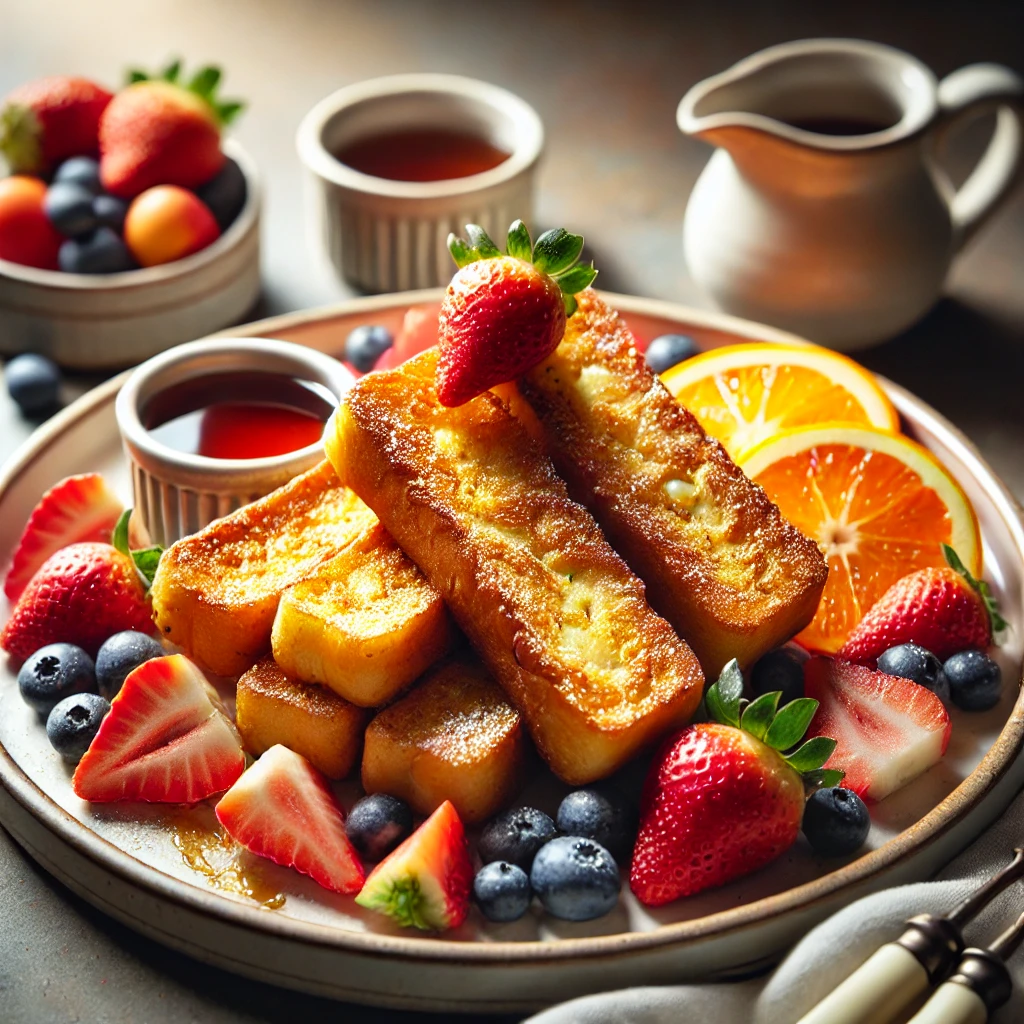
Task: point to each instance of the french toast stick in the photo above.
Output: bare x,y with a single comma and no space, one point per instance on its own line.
555,613
365,623
454,737
720,562
216,593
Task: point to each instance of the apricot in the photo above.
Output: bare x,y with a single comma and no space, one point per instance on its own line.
26,234
167,223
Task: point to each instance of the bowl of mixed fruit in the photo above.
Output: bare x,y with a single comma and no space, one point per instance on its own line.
127,224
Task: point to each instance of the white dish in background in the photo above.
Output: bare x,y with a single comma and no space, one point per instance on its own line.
123,859
108,321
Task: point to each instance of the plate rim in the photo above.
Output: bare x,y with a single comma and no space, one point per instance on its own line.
921,834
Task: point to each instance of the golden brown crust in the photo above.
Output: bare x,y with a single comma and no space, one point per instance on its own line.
555,613
454,737
216,593
272,707
720,562
366,623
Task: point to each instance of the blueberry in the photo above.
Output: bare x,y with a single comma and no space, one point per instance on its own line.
53,673
975,680
668,349
69,207
912,661
102,252
836,822
121,654
502,891
575,879
516,836
781,669
110,211
80,170
73,722
33,382
366,344
225,193
377,824
600,813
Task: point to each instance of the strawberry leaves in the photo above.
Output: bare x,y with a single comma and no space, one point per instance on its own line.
146,559
782,730
980,587
556,253
202,84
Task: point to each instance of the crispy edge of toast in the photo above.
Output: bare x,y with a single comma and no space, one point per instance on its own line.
272,707
368,647
216,610
454,736
598,446
383,445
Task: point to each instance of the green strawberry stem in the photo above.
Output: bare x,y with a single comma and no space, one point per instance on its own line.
146,559
556,254
996,622
782,730
203,84
402,901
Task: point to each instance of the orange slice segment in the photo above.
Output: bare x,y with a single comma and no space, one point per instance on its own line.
879,505
745,394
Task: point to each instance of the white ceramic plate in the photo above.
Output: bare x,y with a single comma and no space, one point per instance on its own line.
137,862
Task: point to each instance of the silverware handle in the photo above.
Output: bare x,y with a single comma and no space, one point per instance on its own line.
952,1004
885,984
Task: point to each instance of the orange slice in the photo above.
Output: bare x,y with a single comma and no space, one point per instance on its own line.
745,394
879,505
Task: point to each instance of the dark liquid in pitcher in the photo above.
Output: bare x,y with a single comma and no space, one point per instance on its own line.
428,154
839,125
239,415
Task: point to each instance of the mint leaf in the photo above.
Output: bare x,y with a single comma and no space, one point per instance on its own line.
519,243
146,559
576,279
758,714
481,241
556,251
812,755
791,723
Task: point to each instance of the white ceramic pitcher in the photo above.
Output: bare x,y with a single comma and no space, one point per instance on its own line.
824,210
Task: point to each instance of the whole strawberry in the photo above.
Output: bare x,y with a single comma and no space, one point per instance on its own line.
721,798
81,595
944,610
158,131
504,313
46,121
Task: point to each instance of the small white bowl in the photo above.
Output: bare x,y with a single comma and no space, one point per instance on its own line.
384,235
177,493
104,321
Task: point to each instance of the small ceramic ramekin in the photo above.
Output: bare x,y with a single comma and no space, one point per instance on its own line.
177,493
383,235
106,321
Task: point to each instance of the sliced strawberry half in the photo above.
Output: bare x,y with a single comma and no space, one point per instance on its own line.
166,739
79,508
281,808
888,730
426,882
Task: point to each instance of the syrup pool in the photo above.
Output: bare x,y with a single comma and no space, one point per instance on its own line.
239,415
421,154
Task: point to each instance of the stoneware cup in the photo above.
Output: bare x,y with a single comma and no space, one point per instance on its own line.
105,321
177,493
383,235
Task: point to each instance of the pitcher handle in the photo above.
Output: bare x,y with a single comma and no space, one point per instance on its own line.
968,93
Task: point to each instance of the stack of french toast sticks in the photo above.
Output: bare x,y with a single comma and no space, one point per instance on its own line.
562,561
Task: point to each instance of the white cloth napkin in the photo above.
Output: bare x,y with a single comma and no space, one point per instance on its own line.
832,951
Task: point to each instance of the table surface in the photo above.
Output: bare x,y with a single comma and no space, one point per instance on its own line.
606,80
